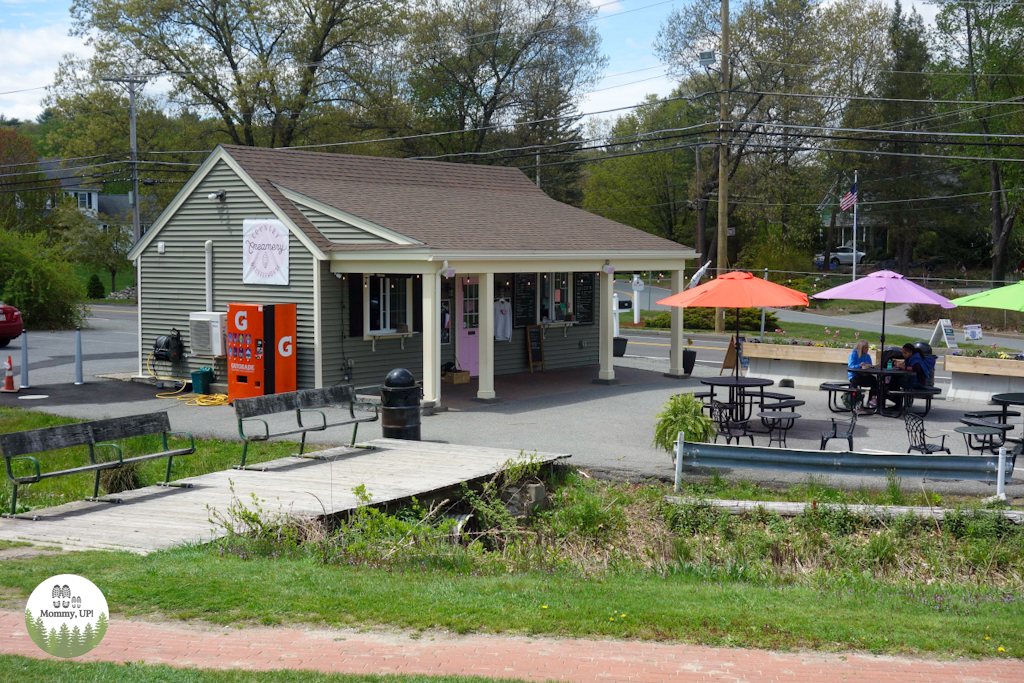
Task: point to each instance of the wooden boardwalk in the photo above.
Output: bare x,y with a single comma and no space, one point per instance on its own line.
155,518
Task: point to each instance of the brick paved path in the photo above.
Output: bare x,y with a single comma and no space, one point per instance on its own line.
534,659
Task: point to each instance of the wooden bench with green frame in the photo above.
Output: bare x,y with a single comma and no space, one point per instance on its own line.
26,446
302,401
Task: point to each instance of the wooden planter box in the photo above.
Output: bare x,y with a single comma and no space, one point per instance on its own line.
976,379
807,366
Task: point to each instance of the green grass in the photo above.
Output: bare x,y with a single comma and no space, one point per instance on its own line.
855,614
14,668
845,306
211,455
124,278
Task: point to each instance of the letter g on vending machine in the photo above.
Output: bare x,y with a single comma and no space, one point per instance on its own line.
261,349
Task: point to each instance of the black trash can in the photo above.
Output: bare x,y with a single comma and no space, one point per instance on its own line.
619,346
689,358
400,406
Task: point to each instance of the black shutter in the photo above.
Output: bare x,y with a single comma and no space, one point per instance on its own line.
355,304
417,303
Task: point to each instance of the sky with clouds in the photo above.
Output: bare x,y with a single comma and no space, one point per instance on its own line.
34,37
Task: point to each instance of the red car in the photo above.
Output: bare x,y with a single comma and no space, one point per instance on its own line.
11,324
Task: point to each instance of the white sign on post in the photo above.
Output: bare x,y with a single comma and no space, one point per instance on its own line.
945,328
264,252
972,333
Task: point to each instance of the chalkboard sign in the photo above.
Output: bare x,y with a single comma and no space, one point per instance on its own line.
534,346
583,298
524,305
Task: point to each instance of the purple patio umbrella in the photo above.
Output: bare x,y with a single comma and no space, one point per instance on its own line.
887,287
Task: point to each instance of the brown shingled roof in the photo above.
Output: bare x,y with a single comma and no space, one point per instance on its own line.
443,205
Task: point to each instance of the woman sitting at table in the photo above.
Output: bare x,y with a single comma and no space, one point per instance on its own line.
913,360
861,359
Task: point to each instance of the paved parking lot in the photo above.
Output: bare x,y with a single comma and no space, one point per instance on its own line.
606,428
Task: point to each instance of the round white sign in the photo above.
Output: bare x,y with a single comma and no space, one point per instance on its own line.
66,615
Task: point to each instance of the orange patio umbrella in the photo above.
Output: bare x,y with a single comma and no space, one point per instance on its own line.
737,290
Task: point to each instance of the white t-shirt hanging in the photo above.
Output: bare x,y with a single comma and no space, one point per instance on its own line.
502,320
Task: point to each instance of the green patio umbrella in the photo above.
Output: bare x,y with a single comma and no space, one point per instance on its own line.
1010,298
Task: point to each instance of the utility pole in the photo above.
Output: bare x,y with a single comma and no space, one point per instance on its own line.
723,163
133,83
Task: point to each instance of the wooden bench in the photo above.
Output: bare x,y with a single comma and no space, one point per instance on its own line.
26,446
249,410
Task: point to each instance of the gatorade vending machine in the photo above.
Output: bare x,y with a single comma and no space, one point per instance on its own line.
261,349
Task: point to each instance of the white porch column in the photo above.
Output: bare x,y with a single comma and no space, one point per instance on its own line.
432,338
606,329
485,391
675,366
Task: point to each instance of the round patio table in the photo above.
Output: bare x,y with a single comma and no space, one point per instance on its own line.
1007,400
985,435
738,387
880,375
778,421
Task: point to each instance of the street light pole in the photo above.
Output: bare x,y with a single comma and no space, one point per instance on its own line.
723,164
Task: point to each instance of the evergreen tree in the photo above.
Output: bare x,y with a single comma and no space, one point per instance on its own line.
35,628
78,646
63,648
101,629
88,636
51,640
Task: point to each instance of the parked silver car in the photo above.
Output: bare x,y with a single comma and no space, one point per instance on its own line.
843,256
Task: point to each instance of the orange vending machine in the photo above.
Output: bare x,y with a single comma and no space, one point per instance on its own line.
261,349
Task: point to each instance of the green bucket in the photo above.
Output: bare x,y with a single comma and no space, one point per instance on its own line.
201,380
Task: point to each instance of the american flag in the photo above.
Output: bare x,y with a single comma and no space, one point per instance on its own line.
849,199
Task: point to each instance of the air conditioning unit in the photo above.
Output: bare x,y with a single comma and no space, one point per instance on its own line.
207,333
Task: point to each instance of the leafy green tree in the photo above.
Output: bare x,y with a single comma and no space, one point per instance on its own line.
648,191
984,42
265,69
37,278
24,189
103,243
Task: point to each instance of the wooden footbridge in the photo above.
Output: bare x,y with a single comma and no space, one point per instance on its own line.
155,517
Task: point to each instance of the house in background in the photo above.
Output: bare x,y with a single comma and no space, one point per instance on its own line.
393,263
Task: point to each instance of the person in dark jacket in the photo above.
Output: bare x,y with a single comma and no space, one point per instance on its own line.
912,360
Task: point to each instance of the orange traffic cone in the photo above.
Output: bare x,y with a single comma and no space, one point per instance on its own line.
9,378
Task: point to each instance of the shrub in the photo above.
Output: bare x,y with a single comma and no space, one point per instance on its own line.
95,290
704,319
682,413
36,277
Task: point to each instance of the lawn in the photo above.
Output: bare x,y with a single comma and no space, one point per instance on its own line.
14,668
714,609
211,455
125,278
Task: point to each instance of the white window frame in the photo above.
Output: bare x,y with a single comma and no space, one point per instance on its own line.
385,281
569,295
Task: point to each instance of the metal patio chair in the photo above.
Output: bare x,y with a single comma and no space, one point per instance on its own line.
841,429
918,437
721,415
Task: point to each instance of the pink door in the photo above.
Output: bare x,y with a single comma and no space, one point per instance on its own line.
467,345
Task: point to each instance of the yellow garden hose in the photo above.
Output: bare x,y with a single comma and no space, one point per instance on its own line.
189,399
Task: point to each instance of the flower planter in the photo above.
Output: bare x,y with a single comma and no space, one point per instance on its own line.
807,366
976,379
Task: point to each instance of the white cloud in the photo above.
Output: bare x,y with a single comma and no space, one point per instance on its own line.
30,58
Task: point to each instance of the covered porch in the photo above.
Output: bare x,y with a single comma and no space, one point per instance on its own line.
566,298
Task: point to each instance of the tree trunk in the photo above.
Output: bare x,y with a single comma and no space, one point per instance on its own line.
702,221
113,279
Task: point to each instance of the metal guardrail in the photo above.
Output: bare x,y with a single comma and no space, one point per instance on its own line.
988,468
